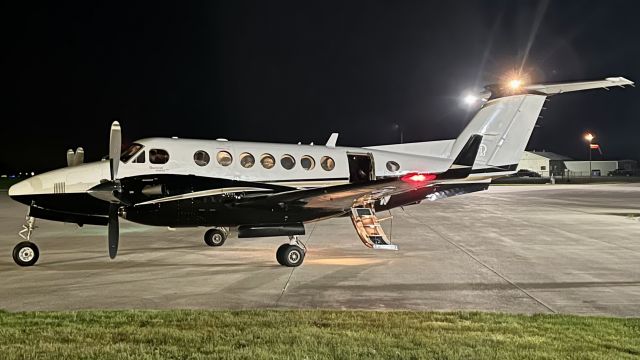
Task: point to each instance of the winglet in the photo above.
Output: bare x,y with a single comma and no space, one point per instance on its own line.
333,139
461,166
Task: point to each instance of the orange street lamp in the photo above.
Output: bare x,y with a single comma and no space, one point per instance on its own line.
589,137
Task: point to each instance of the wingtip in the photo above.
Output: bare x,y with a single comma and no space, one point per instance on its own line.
619,80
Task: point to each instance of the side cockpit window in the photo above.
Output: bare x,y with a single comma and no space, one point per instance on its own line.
128,153
158,156
140,159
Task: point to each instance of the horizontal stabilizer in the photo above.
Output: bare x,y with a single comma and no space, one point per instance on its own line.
551,89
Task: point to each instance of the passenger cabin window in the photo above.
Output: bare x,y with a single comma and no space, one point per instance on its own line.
393,166
224,158
201,158
247,160
129,152
327,163
267,161
158,156
140,159
287,161
307,162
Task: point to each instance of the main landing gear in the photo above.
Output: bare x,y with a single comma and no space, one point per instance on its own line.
216,236
291,254
26,253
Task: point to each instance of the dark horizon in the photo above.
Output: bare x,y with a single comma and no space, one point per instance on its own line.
290,72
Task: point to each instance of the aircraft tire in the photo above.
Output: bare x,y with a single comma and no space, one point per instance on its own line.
215,237
26,253
279,252
292,256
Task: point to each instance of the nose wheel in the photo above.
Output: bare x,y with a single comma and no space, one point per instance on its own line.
291,254
26,253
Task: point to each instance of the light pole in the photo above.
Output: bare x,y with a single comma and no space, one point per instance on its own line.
589,137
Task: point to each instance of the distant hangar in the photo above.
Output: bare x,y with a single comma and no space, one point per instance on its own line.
548,163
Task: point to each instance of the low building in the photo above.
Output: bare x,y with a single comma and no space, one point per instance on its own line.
545,163
548,163
598,168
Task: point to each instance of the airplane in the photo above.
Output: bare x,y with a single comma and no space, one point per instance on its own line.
267,189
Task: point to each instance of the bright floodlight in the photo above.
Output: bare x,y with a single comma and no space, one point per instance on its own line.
515,84
470,99
589,137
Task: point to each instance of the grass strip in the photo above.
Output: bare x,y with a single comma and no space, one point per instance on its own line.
313,334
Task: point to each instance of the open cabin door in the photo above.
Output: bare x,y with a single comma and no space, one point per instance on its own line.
361,167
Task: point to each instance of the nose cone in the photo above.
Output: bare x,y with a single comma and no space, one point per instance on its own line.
22,190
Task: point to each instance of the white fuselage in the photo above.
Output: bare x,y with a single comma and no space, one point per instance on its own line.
77,179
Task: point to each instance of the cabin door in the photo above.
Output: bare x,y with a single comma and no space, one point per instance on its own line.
361,167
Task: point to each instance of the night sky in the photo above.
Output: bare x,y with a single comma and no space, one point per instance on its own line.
294,71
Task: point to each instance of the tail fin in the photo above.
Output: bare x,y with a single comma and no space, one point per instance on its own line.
506,125
462,165
506,122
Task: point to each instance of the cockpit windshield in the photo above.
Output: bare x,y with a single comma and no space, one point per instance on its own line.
129,152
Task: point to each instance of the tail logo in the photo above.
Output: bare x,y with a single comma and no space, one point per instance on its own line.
482,151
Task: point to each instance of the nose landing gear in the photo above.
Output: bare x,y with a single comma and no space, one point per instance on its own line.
26,253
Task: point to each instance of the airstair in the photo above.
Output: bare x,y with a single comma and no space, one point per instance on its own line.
369,229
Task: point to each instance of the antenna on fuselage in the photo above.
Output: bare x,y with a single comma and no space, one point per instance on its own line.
333,139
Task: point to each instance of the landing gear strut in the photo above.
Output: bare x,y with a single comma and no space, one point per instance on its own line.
291,254
216,236
26,253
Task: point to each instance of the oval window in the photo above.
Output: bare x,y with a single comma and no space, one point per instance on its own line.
267,161
224,158
247,160
158,156
201,158
307,162
287,161
327,163
393,166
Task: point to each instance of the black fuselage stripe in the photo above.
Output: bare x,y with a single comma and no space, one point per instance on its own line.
504,168
299,180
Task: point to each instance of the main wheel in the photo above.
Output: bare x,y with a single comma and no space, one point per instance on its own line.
26,253
215,237
279,253
292,256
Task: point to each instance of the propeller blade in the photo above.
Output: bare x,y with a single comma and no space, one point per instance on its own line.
70,156
78,157
115,146
114,230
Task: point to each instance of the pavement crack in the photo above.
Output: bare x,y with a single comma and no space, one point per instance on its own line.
286,284
464,250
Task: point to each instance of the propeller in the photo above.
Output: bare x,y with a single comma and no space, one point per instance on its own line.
75,158
110,190
115,143
78,158
114,230
70,156
115,146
